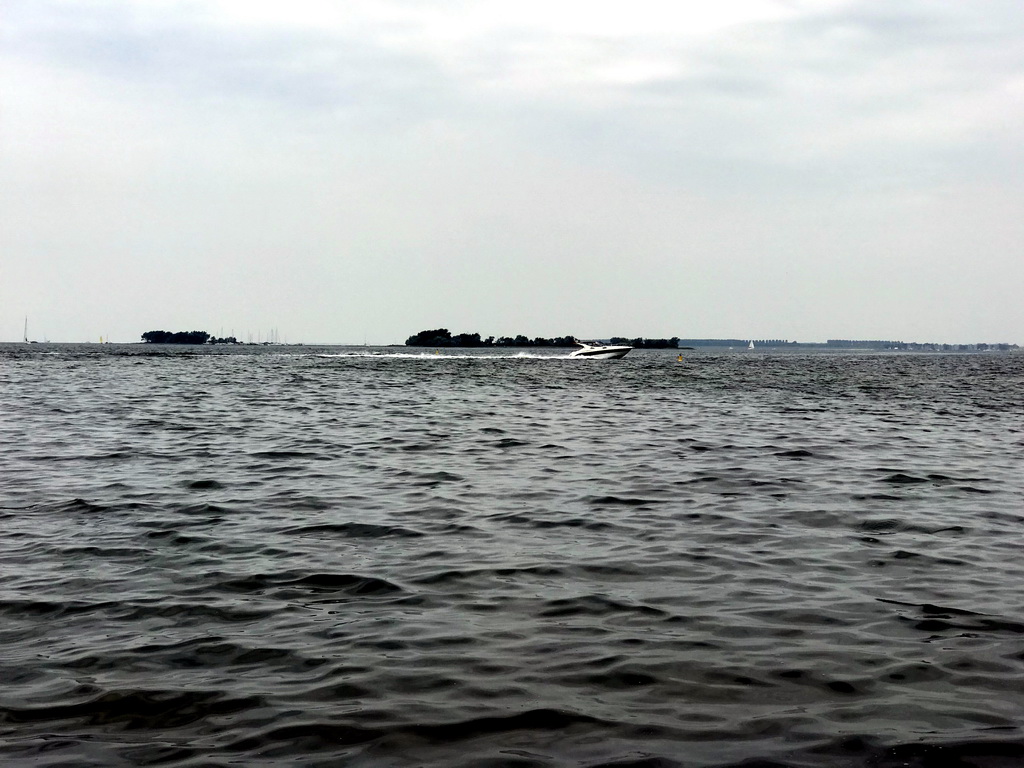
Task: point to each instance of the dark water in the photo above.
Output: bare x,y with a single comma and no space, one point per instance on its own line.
278,557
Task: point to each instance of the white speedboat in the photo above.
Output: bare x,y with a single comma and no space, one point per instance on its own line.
599,351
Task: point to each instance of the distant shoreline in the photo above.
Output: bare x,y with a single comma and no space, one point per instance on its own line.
442,337
683,344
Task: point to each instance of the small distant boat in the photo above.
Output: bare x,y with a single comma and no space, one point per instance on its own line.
751,344
600,351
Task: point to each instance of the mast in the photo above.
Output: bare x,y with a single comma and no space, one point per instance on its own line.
26,329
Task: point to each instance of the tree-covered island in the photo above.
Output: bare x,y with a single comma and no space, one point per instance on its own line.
185,337
442,337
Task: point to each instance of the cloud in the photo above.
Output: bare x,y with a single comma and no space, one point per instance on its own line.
817,149
853,90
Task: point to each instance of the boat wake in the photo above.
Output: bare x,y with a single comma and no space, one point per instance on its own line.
450,355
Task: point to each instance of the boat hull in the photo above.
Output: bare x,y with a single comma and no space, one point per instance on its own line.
602,353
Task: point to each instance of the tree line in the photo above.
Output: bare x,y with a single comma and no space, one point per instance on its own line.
185,337
642,343
442,337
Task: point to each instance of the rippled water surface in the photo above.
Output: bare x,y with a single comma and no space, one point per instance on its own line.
315,557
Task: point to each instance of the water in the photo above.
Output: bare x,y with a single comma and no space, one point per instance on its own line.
315,557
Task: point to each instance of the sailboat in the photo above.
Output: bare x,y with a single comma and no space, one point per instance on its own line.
751,344
26,329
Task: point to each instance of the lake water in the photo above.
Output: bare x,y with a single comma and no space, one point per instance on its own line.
268,556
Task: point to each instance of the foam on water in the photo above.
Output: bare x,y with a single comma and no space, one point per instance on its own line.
364,557
451,355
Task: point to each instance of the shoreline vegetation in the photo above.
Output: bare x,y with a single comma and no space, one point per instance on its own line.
442,337
185,337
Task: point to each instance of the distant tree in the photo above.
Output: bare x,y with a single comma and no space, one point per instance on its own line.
467,340
672,343
178,337
440,337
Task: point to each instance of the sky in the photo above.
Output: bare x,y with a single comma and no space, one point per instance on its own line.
358,171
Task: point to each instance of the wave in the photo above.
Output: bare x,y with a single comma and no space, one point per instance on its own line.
446,355
261,559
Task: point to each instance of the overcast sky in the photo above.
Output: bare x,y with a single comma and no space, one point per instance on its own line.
365,169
